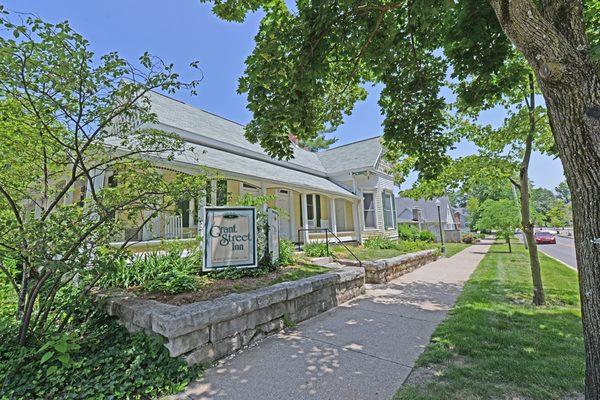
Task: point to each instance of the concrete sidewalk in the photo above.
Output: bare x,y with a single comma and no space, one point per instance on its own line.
363,349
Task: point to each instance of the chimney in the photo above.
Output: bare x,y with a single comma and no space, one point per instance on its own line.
293,138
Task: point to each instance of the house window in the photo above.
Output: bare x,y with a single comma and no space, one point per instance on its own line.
222,192
416,212
369,211
183,209
388,210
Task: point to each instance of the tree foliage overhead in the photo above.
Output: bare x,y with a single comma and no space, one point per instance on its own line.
310,64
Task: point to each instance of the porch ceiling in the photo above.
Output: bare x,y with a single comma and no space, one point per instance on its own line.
252,168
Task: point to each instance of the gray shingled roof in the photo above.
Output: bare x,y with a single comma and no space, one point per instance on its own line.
353,156
183,116
252,168
428,208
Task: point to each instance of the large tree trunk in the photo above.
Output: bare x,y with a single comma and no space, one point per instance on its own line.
554,42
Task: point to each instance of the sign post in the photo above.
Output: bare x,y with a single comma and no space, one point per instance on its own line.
229,238
273,234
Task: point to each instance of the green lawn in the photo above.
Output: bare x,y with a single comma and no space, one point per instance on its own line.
453,248
496,345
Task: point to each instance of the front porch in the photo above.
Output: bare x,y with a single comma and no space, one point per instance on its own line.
300,210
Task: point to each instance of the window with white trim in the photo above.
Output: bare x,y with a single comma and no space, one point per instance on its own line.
388,210
369,211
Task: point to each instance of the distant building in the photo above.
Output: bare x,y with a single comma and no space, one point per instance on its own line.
424,214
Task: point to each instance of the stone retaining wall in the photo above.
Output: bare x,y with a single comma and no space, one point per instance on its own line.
385,270
208,330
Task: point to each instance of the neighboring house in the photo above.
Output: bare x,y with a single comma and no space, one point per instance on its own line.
460,218
424,214
346,189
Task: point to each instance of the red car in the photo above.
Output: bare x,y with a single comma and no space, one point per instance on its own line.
545,238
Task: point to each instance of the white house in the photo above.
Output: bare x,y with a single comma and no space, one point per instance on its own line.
346,189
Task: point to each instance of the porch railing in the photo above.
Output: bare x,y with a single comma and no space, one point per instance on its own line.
327,233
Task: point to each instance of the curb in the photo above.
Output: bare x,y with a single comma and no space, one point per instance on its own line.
560,261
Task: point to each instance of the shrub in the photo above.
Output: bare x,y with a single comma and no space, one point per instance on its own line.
379,242
104,362
426,236
468,238
408,232
286,252
315,249
411,247
139,270
172,282
481,235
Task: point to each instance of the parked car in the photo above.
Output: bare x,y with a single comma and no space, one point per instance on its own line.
545,238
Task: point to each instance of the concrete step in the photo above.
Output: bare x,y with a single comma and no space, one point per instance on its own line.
321,260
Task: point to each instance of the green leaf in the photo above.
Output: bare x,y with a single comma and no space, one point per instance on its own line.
46,356
64,359
51,370
61,347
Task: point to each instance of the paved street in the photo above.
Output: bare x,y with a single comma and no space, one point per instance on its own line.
363,349
563,250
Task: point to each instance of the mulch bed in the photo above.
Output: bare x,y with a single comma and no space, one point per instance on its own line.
216,288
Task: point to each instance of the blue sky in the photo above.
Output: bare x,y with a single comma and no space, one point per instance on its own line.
186,30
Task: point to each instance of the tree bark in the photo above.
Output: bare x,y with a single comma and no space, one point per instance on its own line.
558,52
509,245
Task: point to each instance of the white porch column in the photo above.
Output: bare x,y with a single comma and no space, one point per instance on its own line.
357,224
332,216
201,205
304,217
263,191
97,182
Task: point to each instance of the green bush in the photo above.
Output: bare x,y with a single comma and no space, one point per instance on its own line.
426,236
171,282
408,232
468,238
315,249
481,235
286,252
380,242
104,362
411,247
139,270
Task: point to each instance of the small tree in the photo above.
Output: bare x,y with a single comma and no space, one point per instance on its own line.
558,214
501,216
563,192
67,119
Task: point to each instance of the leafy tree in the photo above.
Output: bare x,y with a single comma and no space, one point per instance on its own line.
501,216
563,192
558,214
543,199
308,66
67,118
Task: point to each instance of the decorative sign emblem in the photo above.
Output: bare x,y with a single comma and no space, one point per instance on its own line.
229,238
273,221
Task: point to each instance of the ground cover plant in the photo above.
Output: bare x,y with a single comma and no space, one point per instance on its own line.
496,344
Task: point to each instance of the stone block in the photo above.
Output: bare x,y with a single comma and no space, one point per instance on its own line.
270,295
185,343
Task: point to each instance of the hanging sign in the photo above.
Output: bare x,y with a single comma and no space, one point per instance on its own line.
273,221
229,238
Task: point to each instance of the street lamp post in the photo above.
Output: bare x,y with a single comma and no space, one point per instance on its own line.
438,204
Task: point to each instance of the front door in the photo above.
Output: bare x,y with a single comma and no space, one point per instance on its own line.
283,203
